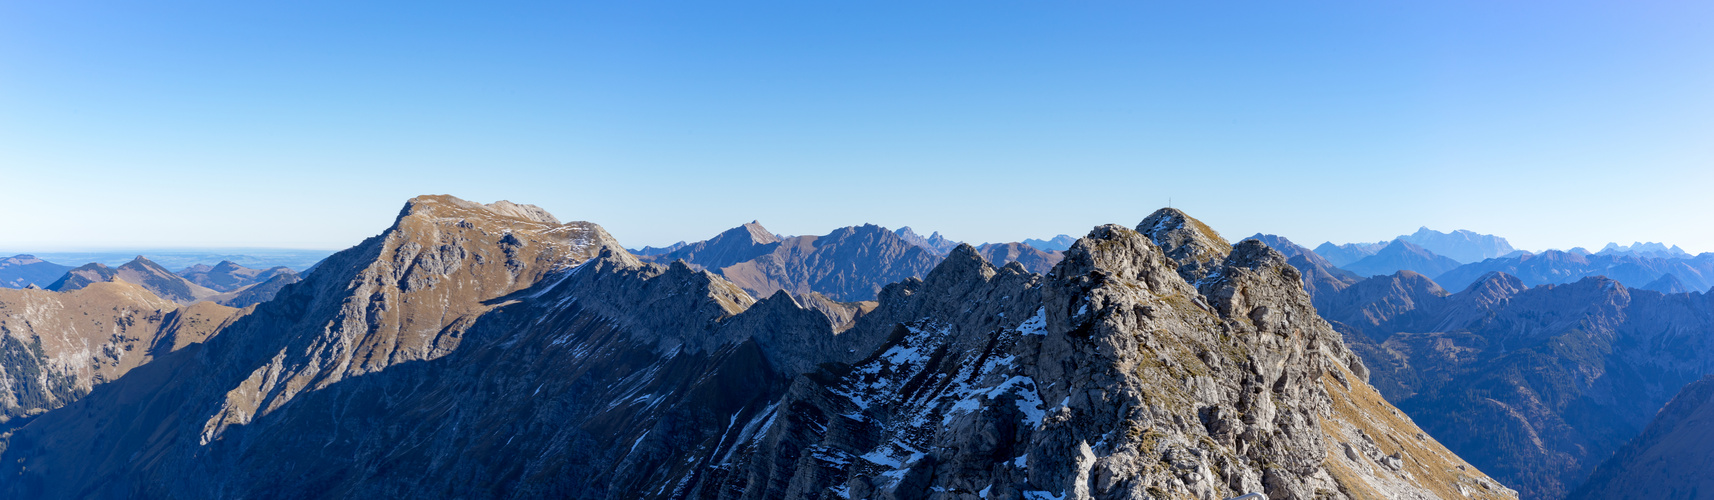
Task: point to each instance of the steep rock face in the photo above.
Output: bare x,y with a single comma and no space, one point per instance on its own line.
1537,385
20,271
1111,378
850,264
1669,459
141,272
1461,245
55,347
1036,261
228,276
1401,255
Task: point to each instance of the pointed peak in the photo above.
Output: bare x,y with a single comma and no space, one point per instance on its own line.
962,262
754,232
1195,246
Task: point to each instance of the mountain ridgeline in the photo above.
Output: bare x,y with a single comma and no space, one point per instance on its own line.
490,351
1533,382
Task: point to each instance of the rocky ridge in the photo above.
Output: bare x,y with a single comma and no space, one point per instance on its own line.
475,352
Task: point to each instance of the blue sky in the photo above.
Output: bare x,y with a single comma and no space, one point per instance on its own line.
307,124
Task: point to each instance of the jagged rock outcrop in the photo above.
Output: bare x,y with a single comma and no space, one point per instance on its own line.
1033,260
56,346
1196,247
1669,459
1401,255
1111,378
24,270
141,272
470,353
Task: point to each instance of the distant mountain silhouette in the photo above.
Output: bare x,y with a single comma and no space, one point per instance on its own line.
1461,245
1401,255
23,270
1058,243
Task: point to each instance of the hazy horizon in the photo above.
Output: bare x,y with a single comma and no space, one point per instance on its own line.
307,125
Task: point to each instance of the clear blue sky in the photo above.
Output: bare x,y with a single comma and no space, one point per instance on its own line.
307,124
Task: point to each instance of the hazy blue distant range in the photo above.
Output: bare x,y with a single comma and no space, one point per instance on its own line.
179,258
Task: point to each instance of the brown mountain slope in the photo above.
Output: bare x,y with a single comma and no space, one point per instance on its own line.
141,272
59,345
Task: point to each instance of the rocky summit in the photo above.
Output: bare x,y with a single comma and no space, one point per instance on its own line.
491,351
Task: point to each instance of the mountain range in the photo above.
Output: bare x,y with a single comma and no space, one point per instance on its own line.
491,351
1533,382
475,350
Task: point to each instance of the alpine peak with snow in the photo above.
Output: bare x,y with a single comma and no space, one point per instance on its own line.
492,351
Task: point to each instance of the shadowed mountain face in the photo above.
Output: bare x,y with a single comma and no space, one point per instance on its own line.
467,352
141,272
55,347
228,276
20,271
1669,459
1555,267
1401,255
1534,385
